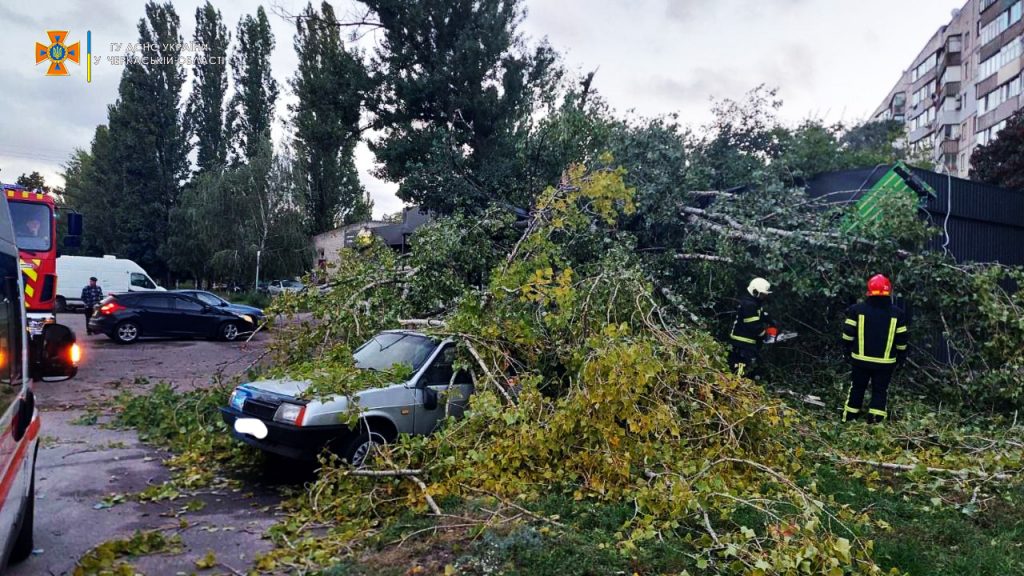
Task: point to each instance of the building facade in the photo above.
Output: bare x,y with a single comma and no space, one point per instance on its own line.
394,234
962,87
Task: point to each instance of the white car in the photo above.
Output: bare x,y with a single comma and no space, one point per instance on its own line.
278,287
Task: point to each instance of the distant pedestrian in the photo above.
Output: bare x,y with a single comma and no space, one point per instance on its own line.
91,297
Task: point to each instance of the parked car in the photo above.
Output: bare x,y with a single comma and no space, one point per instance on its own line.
228,287
127,317
272,415
278,287
210,299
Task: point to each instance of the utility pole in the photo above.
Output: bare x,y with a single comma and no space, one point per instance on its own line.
257,286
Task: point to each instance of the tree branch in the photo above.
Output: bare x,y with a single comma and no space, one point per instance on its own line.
385,473
963,473
490,375
708,257
426,493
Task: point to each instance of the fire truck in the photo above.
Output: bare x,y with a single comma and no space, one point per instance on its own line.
34,218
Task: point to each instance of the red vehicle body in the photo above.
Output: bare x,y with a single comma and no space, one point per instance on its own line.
35,230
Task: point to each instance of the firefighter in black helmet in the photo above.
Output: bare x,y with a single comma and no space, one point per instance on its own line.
875,333
750,327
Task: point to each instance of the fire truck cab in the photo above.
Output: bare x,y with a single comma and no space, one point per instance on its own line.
33,217
55,358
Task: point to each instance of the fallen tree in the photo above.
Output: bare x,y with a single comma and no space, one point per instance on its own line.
615,400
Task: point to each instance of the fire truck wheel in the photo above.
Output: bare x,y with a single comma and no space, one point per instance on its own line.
127,332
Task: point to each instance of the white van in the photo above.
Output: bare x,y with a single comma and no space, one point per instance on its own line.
113,274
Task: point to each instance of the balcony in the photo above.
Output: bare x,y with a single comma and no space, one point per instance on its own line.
950,145
952,74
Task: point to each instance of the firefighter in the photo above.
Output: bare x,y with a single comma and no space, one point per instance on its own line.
750,327
875,333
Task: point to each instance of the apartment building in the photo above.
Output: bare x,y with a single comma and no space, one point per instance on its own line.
963,85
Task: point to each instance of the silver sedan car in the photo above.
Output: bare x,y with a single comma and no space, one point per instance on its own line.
273,416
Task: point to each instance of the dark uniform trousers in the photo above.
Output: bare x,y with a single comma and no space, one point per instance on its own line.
878,379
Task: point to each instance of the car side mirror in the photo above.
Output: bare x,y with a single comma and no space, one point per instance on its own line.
58,355
72,241
75,225
429,399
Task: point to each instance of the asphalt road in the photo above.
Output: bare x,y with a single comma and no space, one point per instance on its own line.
79,465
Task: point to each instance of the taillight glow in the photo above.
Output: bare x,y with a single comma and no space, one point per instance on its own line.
110,307
76,354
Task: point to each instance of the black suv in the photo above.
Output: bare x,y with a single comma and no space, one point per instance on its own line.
127,317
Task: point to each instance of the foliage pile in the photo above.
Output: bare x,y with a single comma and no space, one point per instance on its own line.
107,558
189,424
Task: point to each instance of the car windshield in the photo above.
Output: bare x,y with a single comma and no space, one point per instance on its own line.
385,350
208,298
31,225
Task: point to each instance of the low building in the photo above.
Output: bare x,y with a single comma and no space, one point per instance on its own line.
396,235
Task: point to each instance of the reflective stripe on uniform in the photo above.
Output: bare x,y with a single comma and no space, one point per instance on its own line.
901,329
860,335
742,339
901,347
890,338
848,337
751,319
877,412
851,322
873,359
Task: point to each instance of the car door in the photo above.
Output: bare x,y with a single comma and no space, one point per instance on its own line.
156,313
194,318
452,397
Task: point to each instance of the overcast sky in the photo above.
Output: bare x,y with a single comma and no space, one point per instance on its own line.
833,60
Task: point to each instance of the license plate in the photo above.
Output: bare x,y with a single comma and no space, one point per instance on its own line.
252,427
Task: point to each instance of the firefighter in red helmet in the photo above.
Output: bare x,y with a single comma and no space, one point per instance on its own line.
875,334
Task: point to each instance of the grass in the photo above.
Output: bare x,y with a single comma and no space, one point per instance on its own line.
929,540
912,529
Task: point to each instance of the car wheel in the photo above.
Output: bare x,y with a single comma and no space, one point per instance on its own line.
228,331
23,545
360,450
127,332
61,305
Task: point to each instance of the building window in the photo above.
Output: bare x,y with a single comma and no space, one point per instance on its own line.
923,120
1007,18
1008,54
924,67
984,4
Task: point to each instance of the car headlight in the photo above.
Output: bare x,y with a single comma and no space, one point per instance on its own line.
247,318
238,398
289,413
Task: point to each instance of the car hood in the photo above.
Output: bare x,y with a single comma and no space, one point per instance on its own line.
243,309
280,387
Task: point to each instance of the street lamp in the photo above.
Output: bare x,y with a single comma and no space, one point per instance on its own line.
257,287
